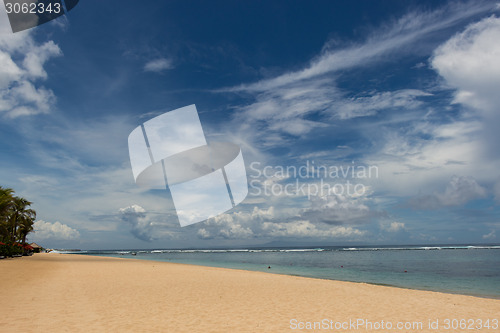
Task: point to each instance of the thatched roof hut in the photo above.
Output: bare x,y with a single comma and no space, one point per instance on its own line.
36,248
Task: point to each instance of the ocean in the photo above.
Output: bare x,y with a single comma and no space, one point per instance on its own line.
469,270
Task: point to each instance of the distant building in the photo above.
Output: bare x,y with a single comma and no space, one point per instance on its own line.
36,248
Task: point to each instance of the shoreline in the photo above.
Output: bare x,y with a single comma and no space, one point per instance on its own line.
61,292
486,296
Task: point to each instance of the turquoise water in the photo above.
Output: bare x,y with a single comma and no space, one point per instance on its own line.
470,270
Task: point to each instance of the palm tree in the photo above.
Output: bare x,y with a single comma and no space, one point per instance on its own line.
26,225
16,218
6,202
21,219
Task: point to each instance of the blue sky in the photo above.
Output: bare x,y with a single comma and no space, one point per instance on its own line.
409,88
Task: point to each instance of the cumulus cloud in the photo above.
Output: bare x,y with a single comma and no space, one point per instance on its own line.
56,230
23,61
393,226
266,223
308,229
158,65
331,215
459,191
236,224
469,62
141,226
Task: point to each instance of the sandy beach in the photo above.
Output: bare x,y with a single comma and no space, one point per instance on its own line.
75,293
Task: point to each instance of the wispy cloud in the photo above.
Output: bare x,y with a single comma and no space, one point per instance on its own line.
296,102
490,236
389,39
158,65
361,106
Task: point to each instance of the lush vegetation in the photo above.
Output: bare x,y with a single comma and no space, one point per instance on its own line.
16,222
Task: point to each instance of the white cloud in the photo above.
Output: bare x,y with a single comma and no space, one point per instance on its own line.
36,56
469,61
204,234
25,99
284,109
419,155
56,230
136,216
239,225
23,62
158,65
308,229
459,191
369,105
227,228
393,226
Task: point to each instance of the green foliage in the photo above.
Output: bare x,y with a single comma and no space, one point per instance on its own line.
16,221
9,250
